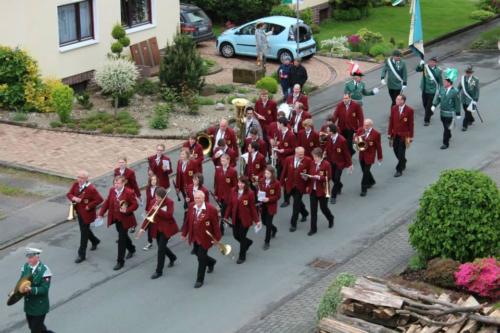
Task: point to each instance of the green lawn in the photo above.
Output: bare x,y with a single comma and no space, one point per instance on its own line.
395,21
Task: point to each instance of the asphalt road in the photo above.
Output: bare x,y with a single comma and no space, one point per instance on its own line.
92,297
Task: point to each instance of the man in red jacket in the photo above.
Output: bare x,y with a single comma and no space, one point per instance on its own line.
160,165
254,137
284,147
400,131
223,131
339,156
298,96
195,151
348,116
120,205
85,199
256,163
221,149
367,156
296,184
308,137
225,179
202,217
299,114
265,111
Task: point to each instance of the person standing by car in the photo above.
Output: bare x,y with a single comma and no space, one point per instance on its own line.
262,43
284,77
298,74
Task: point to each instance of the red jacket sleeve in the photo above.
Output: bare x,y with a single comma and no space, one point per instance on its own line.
390,128
411,122
379,147
253,208
214,225
133,205
71,194
96,199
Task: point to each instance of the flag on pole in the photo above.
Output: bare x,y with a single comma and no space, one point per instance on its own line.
396,2
416,38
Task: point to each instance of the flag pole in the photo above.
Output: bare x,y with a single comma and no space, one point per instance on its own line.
298,33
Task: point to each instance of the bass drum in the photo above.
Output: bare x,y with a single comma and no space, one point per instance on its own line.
286,109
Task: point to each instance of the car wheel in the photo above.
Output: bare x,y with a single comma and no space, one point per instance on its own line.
284,54
227,50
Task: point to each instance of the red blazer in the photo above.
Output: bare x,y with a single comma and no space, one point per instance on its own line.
269,111
305,115
112,206
184,179
195,227
164,220
374,147
351,119
131,183
86,209
150,198
325,173
302,99
308,143
232,154
401,124
229,136
190,195
162,175
243,208
262,146
338,153
273,130
273,192
224,183
256,167
290,176
288,143
196,152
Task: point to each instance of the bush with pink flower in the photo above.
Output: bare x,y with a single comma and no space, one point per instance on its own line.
481,277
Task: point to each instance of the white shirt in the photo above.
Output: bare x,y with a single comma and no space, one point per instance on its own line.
240,192
268,182
81,188
334,138
448,90
199,209
401,108
152,190
284,132
219,135
122,171
296,162
158,159
367,132
184,164
119,192
347,105
308,132
252,157
298,117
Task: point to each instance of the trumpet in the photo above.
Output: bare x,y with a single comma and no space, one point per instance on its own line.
225,249
71,214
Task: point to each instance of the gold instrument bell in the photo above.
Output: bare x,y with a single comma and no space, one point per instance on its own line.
359,143
71,213
206,142
19,290
240,104
225,249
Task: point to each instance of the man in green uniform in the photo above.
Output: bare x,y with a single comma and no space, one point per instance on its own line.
356,88
397,75
430,83
36,301
449,100
469,88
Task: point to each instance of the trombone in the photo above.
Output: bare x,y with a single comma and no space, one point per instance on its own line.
150,217
225,249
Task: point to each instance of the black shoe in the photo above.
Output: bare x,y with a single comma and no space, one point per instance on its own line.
79,260
240,261
118,266
331,223
171,263
156,275
274,232
249,244
94,246
266,246
363,194
310,233
427,124
444,147
398,174
129,255
285,204
193,251
211,268
464,129
292,229
304,218
198,284
132,230
333,200
340,191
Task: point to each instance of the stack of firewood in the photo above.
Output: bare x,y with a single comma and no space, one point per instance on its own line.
374,305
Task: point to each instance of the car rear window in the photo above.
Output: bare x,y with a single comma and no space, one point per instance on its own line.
277,29
305,33
196,16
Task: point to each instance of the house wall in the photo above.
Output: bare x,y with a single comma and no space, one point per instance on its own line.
33,26
316,6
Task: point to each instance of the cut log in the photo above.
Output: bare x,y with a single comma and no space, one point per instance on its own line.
457,327
414,328
434,328
335,326
363,324
383,313
372,297
488,329
471,326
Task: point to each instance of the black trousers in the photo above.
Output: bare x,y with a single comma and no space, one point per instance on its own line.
163,251
337,184
124,242
399,147
150,235
323,205
468,118
427,104
348,135
447,132
367,180
204,261
86,235
298,206
267,220
240,234
222,213
394,93
35,323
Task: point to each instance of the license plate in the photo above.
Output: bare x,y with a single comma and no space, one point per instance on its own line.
201,29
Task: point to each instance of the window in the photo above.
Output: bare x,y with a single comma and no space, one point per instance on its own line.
277,29
248,29
76,22
135,12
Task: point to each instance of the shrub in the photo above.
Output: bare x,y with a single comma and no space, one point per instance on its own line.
61,99
315,28
238,11
160,117
170,95
458,217
200,100
481,277
124,99
332,298
441,272
490,5
182,65
309,88
20,116
416,263
84,100
307,16
336,45
147,87
350,10
487,40
56,124
109,124
121,40
243,90
282,10
370,37
481,15
384,49
225,89
188,98
117,78
268,83
207,64
351,14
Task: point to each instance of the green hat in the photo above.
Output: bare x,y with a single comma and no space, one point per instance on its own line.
451,74
396,53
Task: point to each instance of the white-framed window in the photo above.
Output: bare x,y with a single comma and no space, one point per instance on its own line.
135,13
76,22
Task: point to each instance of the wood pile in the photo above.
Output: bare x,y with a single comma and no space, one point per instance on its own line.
375,305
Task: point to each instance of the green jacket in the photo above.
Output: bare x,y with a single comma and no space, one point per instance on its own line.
392,82
36,303
472,86
450,102
427,84
357,92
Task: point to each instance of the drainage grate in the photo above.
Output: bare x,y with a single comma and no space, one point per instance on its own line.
322,264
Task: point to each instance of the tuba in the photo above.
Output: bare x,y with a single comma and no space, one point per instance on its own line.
206,142
359,143
240,104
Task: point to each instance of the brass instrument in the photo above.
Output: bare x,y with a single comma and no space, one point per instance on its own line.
71,214
274,154
206,142
243,166
19,290
359,143
240,104
150,217
327,188
225,249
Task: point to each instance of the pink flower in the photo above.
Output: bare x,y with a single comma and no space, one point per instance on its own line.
354,39
481,277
